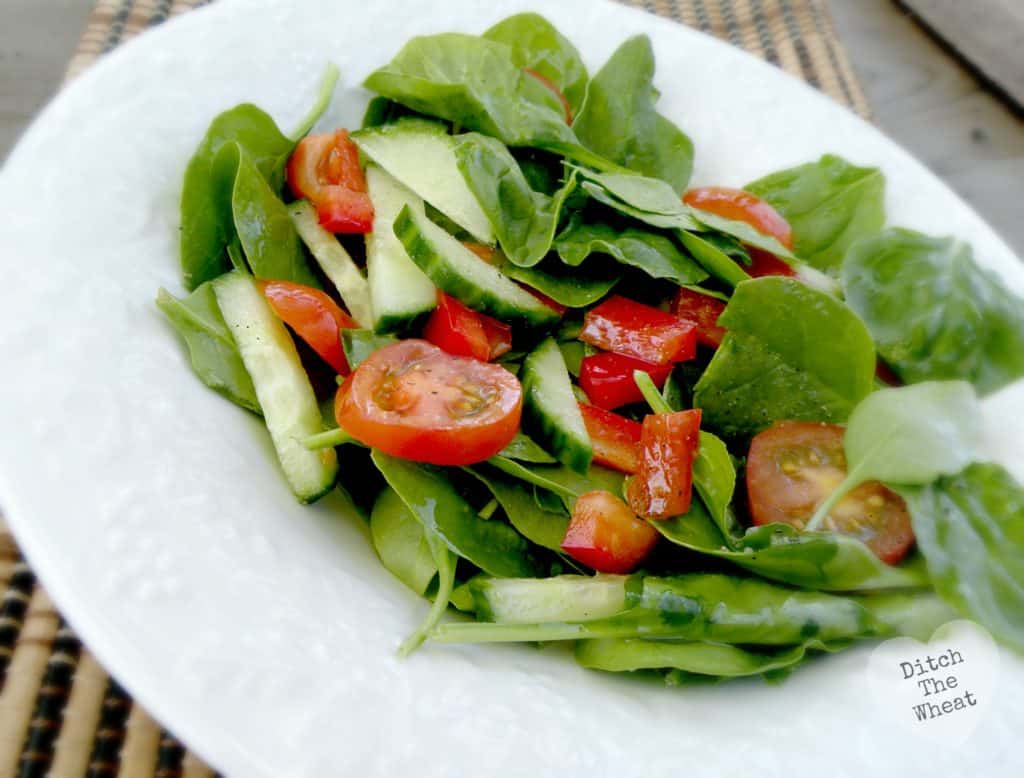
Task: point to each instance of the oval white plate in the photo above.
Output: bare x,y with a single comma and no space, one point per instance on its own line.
264,633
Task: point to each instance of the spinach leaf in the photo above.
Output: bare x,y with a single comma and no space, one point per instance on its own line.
265,229
653,253
814,560
829,204
491,545
537,45
712,257
907,436
567,285
560,479
206,223
360,344
212,349
619,121
714,478
649,199
701,658
934,314
525,221
791,353
719,227
525,449
476,83
538,525
401,543
970,529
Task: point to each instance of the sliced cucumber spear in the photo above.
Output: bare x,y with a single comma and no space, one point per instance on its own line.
551,414
462,274
290,408
334,261
399,291
419,154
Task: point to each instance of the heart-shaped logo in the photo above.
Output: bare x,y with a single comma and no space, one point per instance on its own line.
938,690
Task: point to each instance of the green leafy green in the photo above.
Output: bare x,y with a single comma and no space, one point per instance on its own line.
567,285
619,121
561,480
791,353
401,542
212,349
714,478
525,221
538,525
829,204
907,436
476,83
537,45
970,529
358,344
525,449
934,314
491,545
653,253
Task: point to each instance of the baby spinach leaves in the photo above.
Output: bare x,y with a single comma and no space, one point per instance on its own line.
934,314
907,436
791,353
568,285
536,44
212,349
401,542
829,204
970,529
619,121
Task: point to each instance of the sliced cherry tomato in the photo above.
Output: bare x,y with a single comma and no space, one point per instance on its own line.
314,316
741,206
490,256
637,330
794,465
606,535
325,170
703,311
615,439
607,379
663,485
412,400
463,332
550,85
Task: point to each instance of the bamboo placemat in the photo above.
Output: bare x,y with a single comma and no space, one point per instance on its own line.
60,713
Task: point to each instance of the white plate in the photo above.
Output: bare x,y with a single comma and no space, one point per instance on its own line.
264,633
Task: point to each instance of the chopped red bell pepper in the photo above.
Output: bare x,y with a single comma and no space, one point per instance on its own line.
662,487
607,379
767,264
463,332
703,311
637,330
615,439
325,170
605,534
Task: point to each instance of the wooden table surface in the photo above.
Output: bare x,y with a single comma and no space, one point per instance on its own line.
921,96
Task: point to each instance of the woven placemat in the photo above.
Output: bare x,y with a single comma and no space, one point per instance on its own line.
60,713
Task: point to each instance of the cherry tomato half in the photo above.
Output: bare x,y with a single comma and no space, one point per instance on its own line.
412,400
606,535
325,170
794,465
615,439
663,485
314,316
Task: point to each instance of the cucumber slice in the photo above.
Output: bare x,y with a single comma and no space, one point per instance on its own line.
399,291
419,153
334,261
551,414
540,600
289,406
462,274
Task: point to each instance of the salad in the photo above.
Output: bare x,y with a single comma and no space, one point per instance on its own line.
701,431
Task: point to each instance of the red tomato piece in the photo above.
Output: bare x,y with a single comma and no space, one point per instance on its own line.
703,311
606,535
325,170
412,400
615,439
663,485
314,316
463,332
607,379
764,263
637,330
498,334
794,465
550,85
741,206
